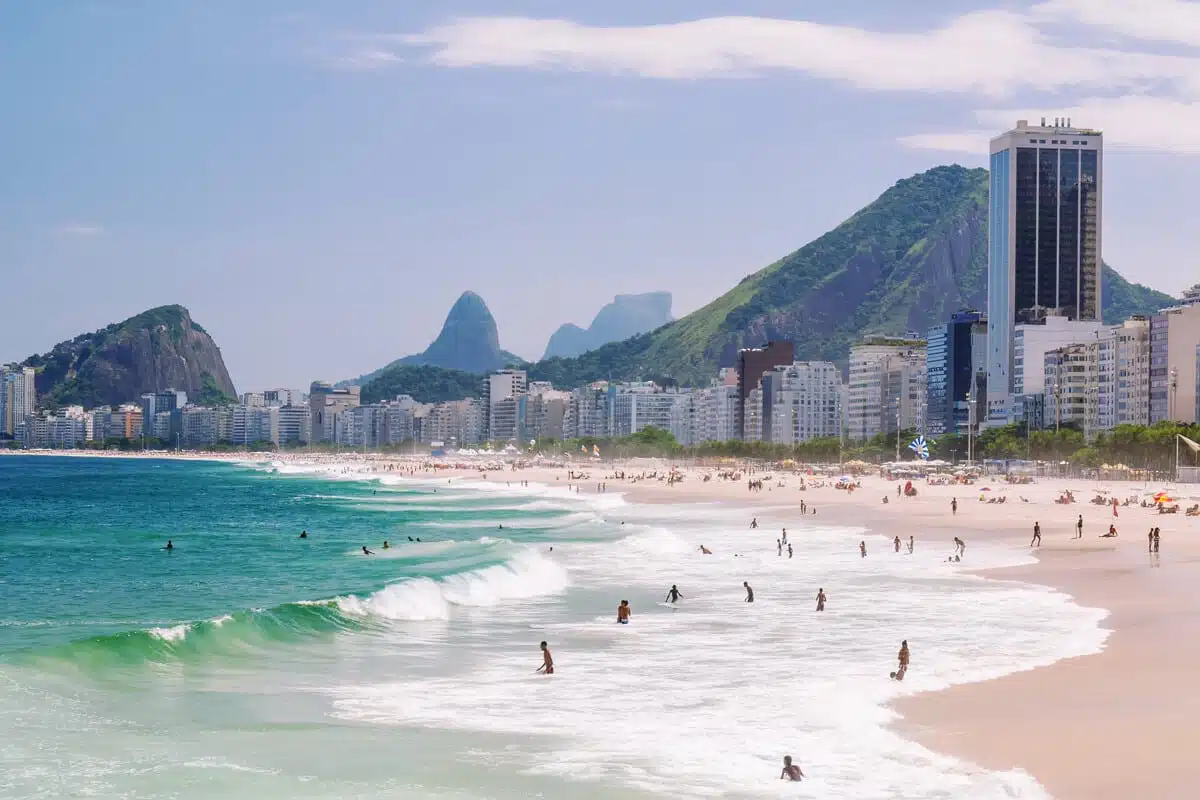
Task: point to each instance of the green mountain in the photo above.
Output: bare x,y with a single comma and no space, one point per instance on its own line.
424,384
905,262
158,349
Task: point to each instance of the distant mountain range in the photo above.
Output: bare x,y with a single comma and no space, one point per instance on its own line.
159,349
627,315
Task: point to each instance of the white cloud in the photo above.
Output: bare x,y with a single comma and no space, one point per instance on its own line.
79,230
993,52
1152,20
973,142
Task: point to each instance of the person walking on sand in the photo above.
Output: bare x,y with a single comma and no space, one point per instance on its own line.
1150,541
749,592
547,667
778,547
954,507
862,548
1037,535
821,599
896,541
1079,527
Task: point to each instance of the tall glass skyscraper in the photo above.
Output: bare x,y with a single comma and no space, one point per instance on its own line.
1043,238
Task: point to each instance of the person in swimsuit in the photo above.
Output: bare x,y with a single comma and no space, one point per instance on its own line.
367,552
623,612
902,657
170,545
749,592
673,596
954,506
303,534
1037,535
862,548
754,523
896,541
820,599
789,551
791,772
385,544
547,666
705,550
911,544
778,547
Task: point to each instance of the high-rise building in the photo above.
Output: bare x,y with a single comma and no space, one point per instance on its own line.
956,371
805,401
1043,238
1174,336
753,363
1133,372
18,397
505,388
325,403
888,387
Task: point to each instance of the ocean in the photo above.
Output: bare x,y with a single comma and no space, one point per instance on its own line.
250,663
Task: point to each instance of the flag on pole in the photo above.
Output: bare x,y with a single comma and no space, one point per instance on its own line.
920,447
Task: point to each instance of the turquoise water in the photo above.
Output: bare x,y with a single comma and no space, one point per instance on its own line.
129,670
248,663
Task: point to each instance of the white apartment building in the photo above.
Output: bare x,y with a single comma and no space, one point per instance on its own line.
887,387
1032,342
588,412
295,424
254,424
1066,372
457,423
198,427
1133,372
50,431
505,388
804,400
1174,336
545,412
640,405
753,430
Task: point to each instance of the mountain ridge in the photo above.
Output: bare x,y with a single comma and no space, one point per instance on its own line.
158,349
627,315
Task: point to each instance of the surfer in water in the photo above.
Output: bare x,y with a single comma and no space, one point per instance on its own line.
170,545
749,592
367,552
673,596
547,666
623,612
791,772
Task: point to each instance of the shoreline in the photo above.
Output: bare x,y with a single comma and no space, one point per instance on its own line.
1056,722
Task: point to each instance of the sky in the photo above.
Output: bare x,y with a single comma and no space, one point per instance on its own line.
318,180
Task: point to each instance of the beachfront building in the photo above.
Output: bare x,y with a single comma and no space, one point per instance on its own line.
1174,337
458,423
1030,344
1044,251
325,403
716,413
588,413
1132,388
639,405
545,412
251,424
198,426
18,397
295,425
64,431
1067,393
887,387
956,373
803,400
504,390
752,364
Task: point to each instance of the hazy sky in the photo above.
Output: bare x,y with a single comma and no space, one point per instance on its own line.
318,180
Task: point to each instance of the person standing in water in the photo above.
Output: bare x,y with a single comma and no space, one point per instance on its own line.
623,612
303,534
820,599
897,543
911,544
784,536
778,547
749,592
674,596
862,548
902,657
1037,535
547,666
170,545
385,544
789,551
754,523
791,772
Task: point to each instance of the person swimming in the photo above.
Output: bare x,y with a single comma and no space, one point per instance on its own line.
624,612
367,552
385,544
170,545
791,772
410,538
705,550
303,534
673,595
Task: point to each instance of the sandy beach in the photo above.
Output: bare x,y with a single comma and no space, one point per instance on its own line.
1118,724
